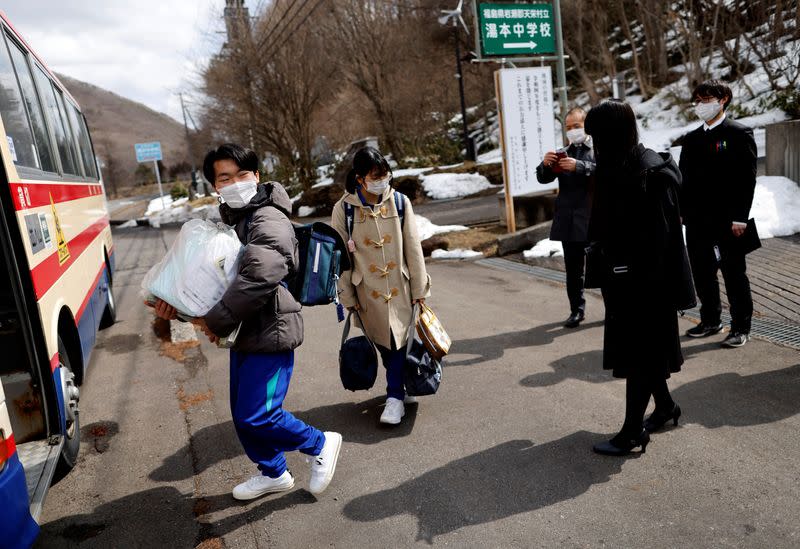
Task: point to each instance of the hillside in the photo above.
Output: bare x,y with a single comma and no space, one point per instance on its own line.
117,124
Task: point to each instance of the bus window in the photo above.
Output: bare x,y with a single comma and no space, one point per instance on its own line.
82,133
58,120
34,108
18,129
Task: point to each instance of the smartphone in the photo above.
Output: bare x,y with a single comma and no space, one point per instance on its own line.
560,153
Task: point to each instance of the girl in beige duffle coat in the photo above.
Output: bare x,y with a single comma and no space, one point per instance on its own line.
388,274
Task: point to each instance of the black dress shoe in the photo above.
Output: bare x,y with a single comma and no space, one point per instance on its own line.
574,319
658,419
621,445
704,330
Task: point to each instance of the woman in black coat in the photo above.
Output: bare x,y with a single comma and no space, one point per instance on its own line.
640,259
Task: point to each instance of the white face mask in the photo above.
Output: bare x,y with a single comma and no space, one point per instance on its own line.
576,136
707,111
239,194
379,187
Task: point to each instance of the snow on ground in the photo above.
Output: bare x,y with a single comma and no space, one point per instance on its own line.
410,172
156,205
495,156
323,182
458,253
128,224
453,185
776,206
426,229
297,197
545,248
183,212
305,211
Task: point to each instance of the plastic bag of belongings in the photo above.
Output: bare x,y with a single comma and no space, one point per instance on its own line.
198,268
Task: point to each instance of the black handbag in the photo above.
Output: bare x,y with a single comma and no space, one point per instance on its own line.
422,374
596,267
358,360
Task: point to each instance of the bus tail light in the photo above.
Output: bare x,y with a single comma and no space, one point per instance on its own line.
7,447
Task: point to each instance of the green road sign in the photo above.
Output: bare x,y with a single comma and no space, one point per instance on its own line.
516,29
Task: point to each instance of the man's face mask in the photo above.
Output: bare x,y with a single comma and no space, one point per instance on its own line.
379,187
707,111
576,136
239,194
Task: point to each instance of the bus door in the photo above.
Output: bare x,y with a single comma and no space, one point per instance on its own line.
30,416
17,527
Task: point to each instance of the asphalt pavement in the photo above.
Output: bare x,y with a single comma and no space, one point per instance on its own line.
500,457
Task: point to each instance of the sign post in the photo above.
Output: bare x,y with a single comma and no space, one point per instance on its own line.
527,130
151,152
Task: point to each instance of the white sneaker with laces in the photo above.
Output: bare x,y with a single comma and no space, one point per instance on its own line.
394,411
260,485
324,465
408,399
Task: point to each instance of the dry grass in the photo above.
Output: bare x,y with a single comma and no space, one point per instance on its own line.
481,239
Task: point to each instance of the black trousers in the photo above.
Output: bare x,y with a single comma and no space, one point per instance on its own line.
575,264
732,263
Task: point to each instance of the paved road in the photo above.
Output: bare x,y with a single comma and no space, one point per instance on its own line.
499,458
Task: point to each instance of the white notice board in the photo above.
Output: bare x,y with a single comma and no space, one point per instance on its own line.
527,126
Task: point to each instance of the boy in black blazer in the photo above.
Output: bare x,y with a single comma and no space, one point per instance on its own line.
718,164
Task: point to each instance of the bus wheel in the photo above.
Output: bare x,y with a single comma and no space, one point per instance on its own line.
110,313
72,434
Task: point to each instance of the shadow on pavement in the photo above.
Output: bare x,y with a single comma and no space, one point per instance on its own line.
494,346
735,400
511,478
588,366
161,517
357,422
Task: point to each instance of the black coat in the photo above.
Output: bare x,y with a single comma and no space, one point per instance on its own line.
636,222
719,178
573,203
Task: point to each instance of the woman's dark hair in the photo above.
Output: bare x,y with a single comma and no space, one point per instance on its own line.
365,161
244,158
612,125
715,89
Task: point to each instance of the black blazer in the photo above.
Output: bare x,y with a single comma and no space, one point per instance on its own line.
719,177
573,204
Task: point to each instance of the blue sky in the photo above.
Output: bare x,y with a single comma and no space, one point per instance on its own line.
146,50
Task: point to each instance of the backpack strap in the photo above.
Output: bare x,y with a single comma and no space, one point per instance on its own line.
349,218
400,204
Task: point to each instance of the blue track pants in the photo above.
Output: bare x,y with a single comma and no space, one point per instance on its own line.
259,382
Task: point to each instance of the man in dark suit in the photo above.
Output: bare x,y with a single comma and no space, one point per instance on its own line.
718,163
573,206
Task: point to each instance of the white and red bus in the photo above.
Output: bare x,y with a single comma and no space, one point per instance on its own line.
56,267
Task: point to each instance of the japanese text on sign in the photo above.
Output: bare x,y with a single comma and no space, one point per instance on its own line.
526,103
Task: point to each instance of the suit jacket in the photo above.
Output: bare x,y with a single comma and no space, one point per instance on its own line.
573,204
719,178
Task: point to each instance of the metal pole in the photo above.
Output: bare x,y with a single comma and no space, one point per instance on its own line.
160,190
193,185
561,71
470,153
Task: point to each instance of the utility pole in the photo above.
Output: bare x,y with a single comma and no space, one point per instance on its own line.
561,71
469,145
193,185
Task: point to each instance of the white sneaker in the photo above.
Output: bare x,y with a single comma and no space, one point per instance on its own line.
324,465
259,485
394,411
408,399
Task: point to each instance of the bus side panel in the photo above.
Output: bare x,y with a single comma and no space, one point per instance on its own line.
17,527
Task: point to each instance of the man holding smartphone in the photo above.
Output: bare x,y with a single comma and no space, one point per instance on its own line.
574,166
